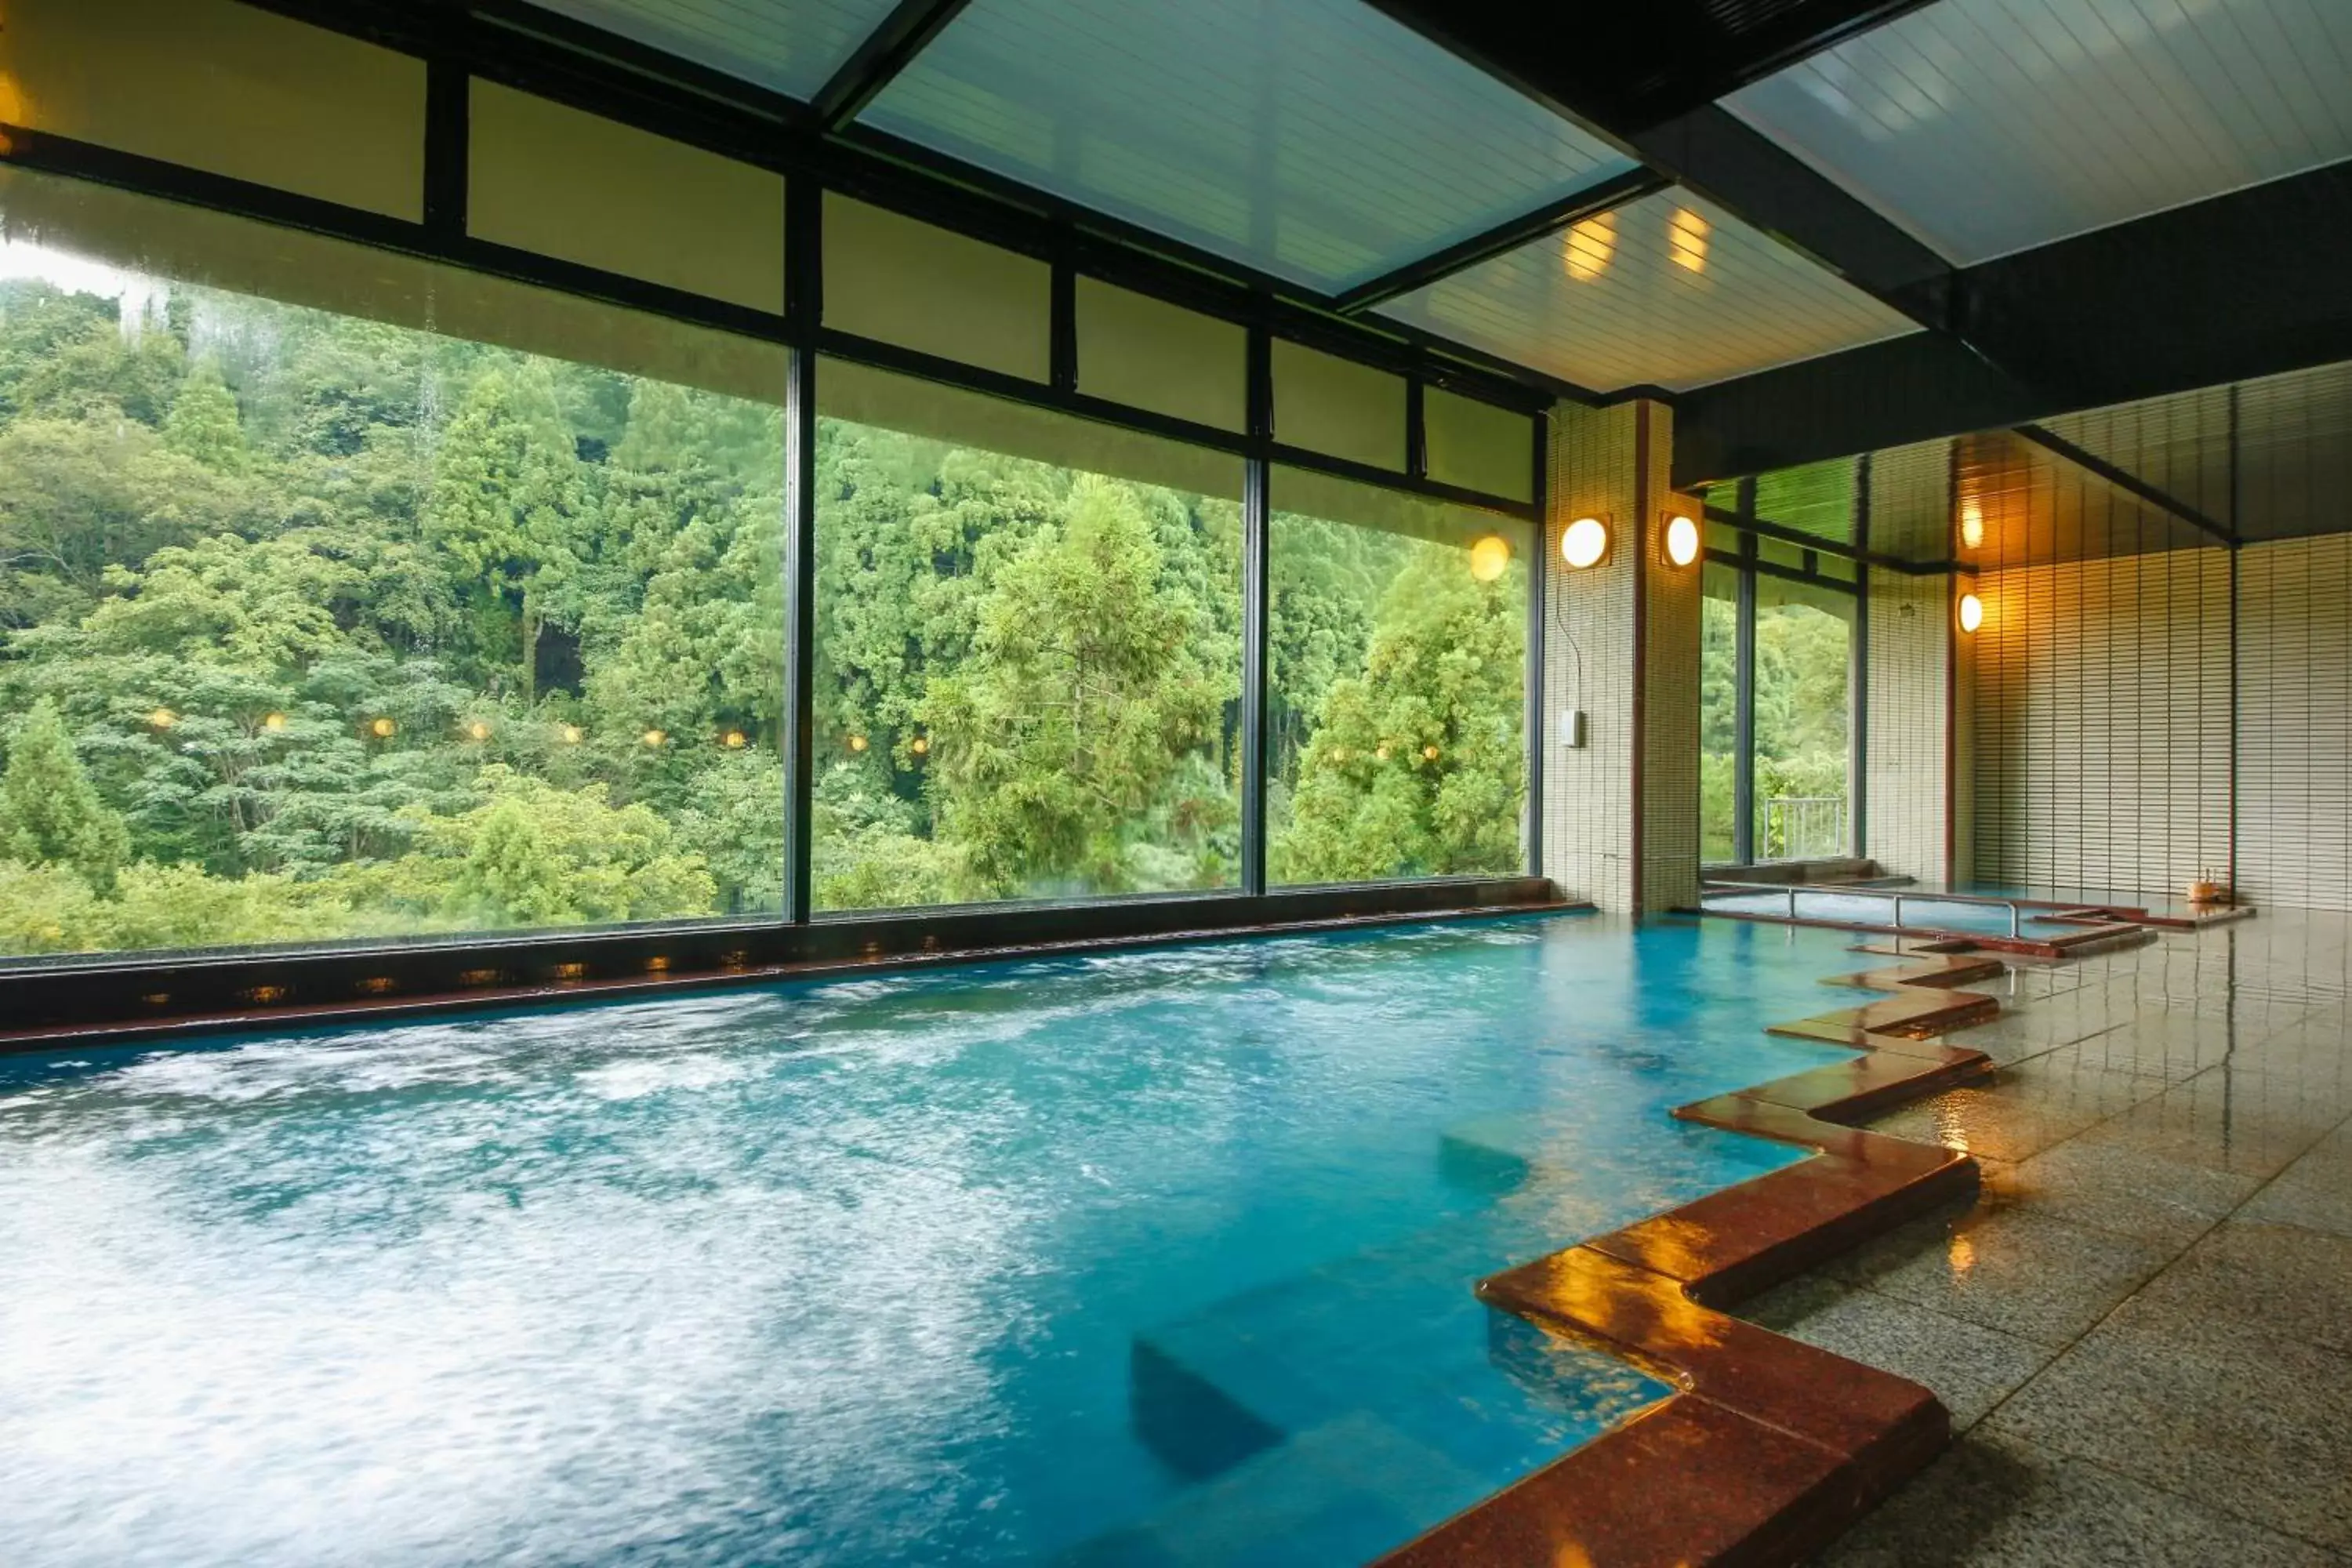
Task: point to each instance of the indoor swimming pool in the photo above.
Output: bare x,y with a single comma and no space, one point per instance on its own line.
1156,1258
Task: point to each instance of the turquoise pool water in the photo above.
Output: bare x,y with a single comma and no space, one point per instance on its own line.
1156,1258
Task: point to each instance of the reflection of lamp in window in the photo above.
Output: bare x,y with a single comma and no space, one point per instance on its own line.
478,731
571,733
381,728
1682,541
732,739
1489,556
856,743
1686,241
1590,244
1585,541
920,745
1429,753
274,721
162,718
1971,612
1972,525
654,737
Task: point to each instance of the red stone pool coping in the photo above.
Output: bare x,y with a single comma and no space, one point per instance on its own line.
1770,1447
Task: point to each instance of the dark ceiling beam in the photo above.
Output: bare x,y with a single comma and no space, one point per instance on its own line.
1630,68
2241,285
2131,484
888,50
1617,190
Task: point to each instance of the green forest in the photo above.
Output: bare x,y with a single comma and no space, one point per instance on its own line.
313,627
1803,662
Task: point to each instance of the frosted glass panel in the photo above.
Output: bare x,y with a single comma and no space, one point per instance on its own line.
909,283
224,88
1335,406
1478,446
1147,353
790,49
1315,139
1668,290
553,180
1988,126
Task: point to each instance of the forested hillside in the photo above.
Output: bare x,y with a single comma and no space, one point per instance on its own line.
312,626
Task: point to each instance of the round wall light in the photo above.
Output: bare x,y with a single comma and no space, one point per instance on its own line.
1971,612
1585,541
1489,556
1682,541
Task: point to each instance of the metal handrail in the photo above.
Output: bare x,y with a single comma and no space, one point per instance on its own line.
2016,910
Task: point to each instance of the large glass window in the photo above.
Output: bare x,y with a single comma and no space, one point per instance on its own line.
1028,631
315,624
1804,673
1718,697
1397,695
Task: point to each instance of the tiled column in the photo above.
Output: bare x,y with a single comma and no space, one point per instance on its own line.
1621,812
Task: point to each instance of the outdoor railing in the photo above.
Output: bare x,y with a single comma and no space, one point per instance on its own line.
1803,827
1846,889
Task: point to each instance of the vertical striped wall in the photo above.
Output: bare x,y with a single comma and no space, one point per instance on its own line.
1910,666
2295,717
2101,751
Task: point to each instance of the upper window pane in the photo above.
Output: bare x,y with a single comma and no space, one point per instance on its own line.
1147,354
315,625
1396,704
226,88
1028,638
1335,406
1313,139
788,48
548,178
922,287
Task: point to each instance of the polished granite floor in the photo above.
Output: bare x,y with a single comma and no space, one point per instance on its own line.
2143,1328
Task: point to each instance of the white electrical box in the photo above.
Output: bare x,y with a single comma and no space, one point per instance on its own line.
1571,728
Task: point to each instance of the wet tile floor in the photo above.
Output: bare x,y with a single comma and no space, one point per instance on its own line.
2143,1327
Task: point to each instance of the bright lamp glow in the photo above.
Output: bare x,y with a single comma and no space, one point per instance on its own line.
1971,612
1682,541
1489,556
1971,526
1585,542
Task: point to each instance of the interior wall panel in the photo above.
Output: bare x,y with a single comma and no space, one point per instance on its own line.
1910,663
2295,746
2102,727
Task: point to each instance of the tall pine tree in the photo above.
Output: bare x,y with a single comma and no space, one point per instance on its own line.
50,812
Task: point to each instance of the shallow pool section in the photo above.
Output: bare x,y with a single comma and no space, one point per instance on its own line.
1161,1258
1920,911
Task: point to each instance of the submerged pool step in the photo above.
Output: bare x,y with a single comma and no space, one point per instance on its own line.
1344,1491
1249,1374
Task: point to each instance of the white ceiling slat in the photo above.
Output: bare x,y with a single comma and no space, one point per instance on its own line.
1316,140
1986,127
1619,302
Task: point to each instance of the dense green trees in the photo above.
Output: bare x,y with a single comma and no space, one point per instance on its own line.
315,627
1804,670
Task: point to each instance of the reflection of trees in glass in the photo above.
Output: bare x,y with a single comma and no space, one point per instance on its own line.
313,627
